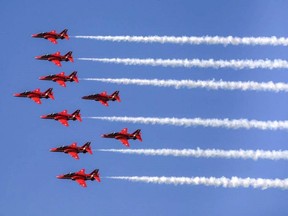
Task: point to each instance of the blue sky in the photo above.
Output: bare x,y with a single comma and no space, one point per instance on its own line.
28,181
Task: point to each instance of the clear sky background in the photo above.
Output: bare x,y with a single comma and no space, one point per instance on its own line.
28,179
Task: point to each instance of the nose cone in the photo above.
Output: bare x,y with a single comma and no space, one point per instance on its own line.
38,57
85,97
53,149
43,116
34,35
16,95
60,176
104,135
42,77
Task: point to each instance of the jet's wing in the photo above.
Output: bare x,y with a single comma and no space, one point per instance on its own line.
53,40
125,142
74,155
61,82
61,74
103,93
73,145
82,171
64,122
124,131
103,102
56,62
36,99
64,112
81,182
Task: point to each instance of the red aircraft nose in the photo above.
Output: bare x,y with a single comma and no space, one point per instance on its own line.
16,95
43,116
53,149
60,176
34,35
42,77
37,57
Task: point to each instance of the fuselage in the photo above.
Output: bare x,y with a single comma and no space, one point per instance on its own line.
118,135
67,149
74,176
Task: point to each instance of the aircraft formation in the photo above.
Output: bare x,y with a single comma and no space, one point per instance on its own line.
63,117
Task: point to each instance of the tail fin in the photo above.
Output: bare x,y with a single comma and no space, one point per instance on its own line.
69,56
76,115
64,34
115,96
49,93
73,76
137,135
86,147
95,175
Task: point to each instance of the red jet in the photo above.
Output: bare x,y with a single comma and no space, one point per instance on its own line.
63,117
73,149
61,78
56,58
52,35
80,177
103,98
124,136
36,95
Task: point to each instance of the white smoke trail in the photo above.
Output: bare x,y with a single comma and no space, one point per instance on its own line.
225,123
208,153
209,84
189,63
233,182
209,40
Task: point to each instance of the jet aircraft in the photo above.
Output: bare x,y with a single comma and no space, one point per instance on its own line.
81,177
61,78
73,149
63,117
52,35
56,58
103,98
124,136
36,95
